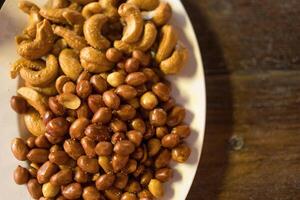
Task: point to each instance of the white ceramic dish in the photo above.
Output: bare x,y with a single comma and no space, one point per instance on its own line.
188,90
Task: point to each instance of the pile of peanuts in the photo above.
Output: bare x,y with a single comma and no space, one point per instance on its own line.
98,135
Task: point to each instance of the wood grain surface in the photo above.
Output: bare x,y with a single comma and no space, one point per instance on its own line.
250,50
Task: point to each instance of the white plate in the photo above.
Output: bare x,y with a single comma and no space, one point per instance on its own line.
188,90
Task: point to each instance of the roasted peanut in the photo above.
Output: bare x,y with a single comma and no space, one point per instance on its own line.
111,100
83,89
54,139
113,55
87,164
89,146
183,131
161,132
19,148
105,164
119,162
176,116
132,65
156,188
181,153
135,137
84,111
148,101
136,78
57,127
118,126
151,75
38,155
78,127
131,166
49,190
170,140
121,181
59,157
91,193
42,142
69,87
158,117
128,196
80,176
105,181
34,188
163,159
103,115
153,145
99,83
45,172
30,142
104,148
162,91
146,178
73,148
72,191
124,147
164,174
21,175
97,132
139,125
143,58
113,194
115,79
127,92
117,136
62,177
95,102
18,104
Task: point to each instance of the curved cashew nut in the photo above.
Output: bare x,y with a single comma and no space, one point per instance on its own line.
145,4
94,61
167,43
24,63
28,7
54,14
92,31
42,77
148,39
73,40
34,123
176,62
83,2
57,4
161,15
34,98
58,46
109,9
41,45
91,9
134,22
49,90
70,64
75,19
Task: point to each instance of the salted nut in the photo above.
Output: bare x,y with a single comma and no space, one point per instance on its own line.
69,100
91,9
92,31
34,123
34,98
57,4
134,22
94,60
161,15
49,90
70,64
175,63
145,4
109,9
41,45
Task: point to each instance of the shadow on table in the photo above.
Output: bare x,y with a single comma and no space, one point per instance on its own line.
214,158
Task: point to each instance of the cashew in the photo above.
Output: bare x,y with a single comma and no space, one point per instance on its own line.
34,98
83,2
49,90
145,4
58,46
41,77
60,82
167,43
54,14
134,22
75,19
91,9
34,123
24,63
161,15
41,45
20,38
28,7
94,61
176,62
73,40
109,9
70,64
144,44
57,4
69,100
75,6
92,31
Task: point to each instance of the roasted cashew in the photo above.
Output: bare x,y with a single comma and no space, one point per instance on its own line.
134,22
109,9
28,7
41,45
149,37
34,98
145,4
57,4
167,43
83,2
161,15
24,63
34,123
42,77
75,19
58,46
92,31
73,40
94,61
70,64
54,14
49,90
60,82
176,62
91,9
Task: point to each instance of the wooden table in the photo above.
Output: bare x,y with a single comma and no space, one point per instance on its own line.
250,50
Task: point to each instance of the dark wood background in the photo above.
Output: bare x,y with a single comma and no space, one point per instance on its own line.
251,54
250,50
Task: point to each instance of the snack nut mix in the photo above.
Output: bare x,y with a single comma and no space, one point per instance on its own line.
95,100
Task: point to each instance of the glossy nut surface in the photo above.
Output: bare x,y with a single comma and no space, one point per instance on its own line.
21,175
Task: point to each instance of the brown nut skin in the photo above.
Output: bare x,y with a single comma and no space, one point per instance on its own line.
89,146
121,181
42,142
111,99
163,159
126,92
97,132
132,65
56,107
63,177
153,145
103,115
83,89
148,101
45,172
95,102
182,130
59,157
126,112
91,193
73,148
38,155
164,174
117,136
85,75
104,148
99,83
30,142
21,175
57,127
128,196
161,131
80,176
77,128
124,147
133,187
87,164
34,189
69,87
138,153
170,140
113,55
54,139
139,125
48,116
135,137
105,181
136,78
113,194
119,162
168,105
19,149
162,91
117,125
33,172
130,167
84,111
72,191
158,117
176,116
181,153
142,57
18,104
